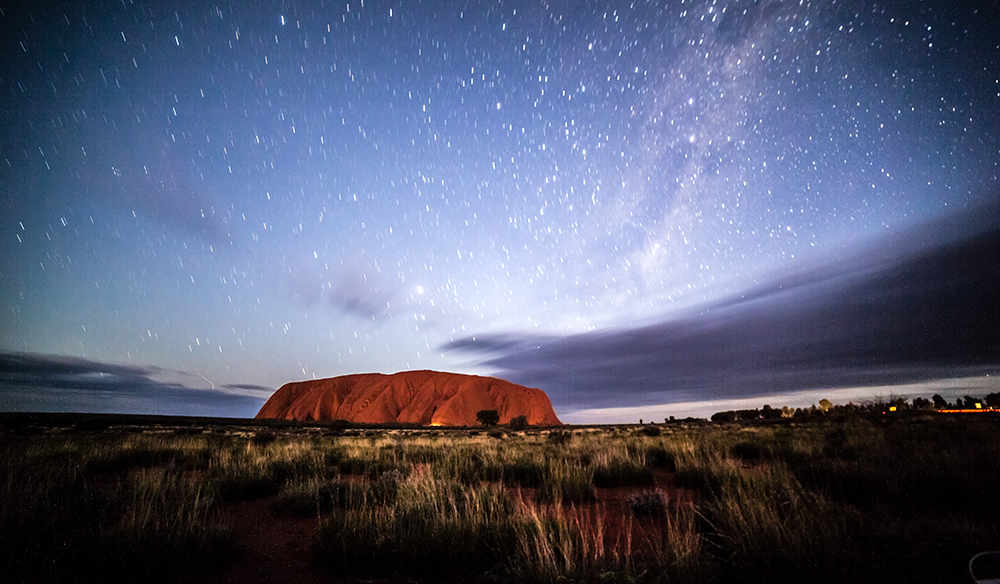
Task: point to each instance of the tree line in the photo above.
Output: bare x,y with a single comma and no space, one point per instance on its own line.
827,408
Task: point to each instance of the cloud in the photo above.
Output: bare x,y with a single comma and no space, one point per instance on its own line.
911,306
357,292
248,387
354,288
31,381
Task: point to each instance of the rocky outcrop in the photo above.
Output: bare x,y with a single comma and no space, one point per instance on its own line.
415,397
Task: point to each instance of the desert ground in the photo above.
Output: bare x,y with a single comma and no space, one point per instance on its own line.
862,498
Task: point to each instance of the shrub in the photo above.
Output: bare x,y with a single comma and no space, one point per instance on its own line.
488,417
658,456
651,431
647,503
518,423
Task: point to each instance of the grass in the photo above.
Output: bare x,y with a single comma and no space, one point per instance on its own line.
86,509
864,499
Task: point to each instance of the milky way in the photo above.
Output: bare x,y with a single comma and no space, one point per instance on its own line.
231,196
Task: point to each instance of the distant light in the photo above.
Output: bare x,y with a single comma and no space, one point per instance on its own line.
420,289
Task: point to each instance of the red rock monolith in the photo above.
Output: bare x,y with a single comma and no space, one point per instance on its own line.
416,397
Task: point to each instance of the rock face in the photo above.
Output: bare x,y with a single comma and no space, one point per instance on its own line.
416,397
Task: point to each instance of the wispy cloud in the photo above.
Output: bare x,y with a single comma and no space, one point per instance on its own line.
354,288
31,381
908,307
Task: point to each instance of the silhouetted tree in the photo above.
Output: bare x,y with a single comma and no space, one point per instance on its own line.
727,416
769,413
518,423
993,400
939,402
488,417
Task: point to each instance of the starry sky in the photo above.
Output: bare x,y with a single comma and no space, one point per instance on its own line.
623,203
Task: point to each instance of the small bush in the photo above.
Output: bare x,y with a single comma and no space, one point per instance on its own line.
651,431
660,457
518,423
647,503
488,418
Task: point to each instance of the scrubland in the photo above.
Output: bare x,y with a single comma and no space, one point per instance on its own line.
865,499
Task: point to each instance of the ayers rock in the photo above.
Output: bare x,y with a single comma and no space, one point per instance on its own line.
416,397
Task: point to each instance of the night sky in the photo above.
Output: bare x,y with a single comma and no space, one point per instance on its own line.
622,203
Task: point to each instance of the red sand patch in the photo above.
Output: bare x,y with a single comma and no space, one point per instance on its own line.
610,516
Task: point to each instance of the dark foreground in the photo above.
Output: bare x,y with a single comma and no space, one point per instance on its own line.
863,499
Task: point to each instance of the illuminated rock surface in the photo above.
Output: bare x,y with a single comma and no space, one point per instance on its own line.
416,397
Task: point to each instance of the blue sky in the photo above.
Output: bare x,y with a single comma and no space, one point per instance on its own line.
223,198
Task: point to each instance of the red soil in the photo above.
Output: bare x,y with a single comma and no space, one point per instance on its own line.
620,527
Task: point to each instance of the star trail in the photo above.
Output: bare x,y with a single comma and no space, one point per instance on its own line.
626,203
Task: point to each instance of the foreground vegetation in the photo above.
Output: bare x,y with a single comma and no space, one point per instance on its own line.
865,499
